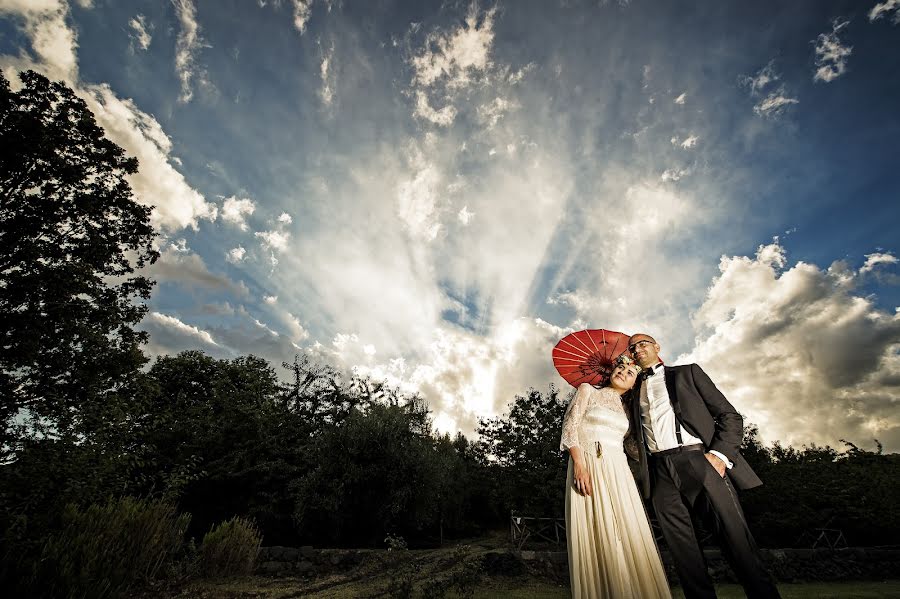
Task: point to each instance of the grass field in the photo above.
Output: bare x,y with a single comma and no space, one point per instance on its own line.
524,588
461,571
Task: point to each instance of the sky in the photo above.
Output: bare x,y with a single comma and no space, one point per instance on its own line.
434,193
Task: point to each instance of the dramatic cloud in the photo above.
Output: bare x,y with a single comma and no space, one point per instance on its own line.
831,54
799,353
52,40
452,61
141,36
236,210
175,203
884,8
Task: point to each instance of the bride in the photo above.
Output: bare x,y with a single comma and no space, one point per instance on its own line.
611,548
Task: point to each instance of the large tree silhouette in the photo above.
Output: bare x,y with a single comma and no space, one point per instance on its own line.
71,237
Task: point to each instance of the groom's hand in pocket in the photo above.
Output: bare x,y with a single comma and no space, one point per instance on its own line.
717,463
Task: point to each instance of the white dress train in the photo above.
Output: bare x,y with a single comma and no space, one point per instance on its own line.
612,553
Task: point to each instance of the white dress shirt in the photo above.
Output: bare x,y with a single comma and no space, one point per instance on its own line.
658,417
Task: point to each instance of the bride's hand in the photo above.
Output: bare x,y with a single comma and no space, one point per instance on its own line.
582,480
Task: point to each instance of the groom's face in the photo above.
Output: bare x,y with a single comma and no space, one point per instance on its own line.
644,350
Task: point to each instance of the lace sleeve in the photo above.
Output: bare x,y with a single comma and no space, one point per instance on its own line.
574,413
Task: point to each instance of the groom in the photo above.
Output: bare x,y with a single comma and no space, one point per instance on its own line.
688,437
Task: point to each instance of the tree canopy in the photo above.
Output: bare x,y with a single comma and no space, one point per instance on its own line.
71,239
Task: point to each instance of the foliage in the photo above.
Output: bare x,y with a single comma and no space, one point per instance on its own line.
105,550
520,452
230,549
71,237
820,487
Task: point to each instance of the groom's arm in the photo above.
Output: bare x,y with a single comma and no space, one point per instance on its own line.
729,424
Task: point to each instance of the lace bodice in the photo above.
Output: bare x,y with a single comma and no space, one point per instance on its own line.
587,400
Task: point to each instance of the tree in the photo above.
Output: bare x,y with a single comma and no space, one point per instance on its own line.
521,453
71,237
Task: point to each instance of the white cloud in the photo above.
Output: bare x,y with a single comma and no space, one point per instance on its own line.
418,200
831,54
465,215
265,327
491,113
774,104
271,299
798,353
680,99
177,264
52,40
329,80
674,174
454,57
274,240
873,260
302,12
761,79
236,210
883,8
235,255
175,203
141,36
285,218
690,141
182,329
297,330
443,117
776,100
186,47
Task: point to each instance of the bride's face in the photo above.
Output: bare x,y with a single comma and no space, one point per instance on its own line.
623,377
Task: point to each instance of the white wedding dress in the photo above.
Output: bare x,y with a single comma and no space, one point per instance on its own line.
612,553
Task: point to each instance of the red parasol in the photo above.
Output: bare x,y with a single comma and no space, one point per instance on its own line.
587,356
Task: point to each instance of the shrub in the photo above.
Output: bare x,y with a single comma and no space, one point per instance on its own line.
105,550
230,548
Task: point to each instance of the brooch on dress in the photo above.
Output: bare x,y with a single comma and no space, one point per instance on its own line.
599,449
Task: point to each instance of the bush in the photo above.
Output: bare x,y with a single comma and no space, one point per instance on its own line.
105,550
230,549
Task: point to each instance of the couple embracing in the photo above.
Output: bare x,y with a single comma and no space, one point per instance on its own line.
685,436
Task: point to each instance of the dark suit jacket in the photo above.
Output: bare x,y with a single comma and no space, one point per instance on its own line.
704,412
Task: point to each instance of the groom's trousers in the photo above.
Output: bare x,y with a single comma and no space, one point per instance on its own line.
683,482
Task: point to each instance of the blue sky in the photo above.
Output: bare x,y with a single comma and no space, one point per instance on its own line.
434,192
